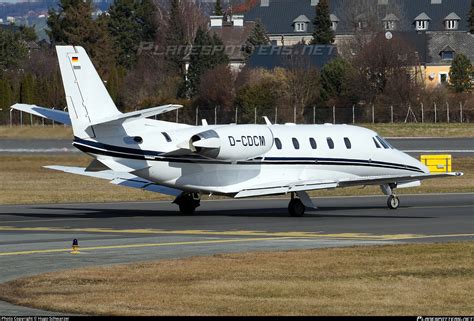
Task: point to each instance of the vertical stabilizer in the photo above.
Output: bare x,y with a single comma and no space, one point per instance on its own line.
87,98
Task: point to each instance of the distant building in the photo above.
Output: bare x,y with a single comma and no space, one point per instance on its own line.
442,49
233,32
290,21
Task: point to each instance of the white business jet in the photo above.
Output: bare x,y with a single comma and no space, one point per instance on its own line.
239,161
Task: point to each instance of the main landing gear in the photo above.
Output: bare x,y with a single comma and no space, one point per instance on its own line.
188,202
298,205
392,202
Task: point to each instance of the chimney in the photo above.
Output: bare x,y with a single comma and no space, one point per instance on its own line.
314,3
216,21
264,3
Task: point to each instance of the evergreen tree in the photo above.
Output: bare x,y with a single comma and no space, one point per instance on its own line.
28,33
203,57
336,79
471,16
257,37
323,33
176,38
218,8
461,74
6,94
27,90
13,49
73,25
130,23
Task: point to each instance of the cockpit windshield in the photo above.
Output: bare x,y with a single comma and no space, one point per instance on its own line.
384,143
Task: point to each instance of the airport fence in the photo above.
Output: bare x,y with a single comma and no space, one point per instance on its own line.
356,114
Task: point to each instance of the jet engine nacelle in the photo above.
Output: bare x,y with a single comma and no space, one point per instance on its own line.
234,143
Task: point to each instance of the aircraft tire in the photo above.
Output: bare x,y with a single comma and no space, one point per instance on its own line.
393,202
187,208
296,208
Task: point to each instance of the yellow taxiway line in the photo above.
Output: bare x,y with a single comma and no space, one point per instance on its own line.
291,234
142,245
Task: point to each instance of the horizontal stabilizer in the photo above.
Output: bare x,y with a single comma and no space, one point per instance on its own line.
51,114
134,115
119,178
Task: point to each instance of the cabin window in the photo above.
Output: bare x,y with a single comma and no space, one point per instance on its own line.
376,143
330,142
313,143
278,143
296,144
167,137
347,142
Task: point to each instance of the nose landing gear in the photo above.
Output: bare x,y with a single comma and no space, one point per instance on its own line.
392,202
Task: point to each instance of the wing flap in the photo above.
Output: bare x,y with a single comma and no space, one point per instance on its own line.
51,114
120,178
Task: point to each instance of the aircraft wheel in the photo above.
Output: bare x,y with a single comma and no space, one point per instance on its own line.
393,202
187,203
296,207
187,208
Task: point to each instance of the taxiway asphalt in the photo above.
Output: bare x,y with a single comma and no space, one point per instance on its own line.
37,238
413,146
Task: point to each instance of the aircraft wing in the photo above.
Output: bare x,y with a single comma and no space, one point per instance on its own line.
298,186
52,114
119,178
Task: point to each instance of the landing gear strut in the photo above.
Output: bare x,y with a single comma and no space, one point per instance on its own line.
188,202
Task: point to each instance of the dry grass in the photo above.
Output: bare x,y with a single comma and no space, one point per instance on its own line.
423,130
24,181
36,132
416,279
386,130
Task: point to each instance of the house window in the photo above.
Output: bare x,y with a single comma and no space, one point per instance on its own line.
443,78
389,25
422,25
300,26
447,55
451,24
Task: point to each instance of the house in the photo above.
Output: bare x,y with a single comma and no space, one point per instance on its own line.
290,21
233,31
442,48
